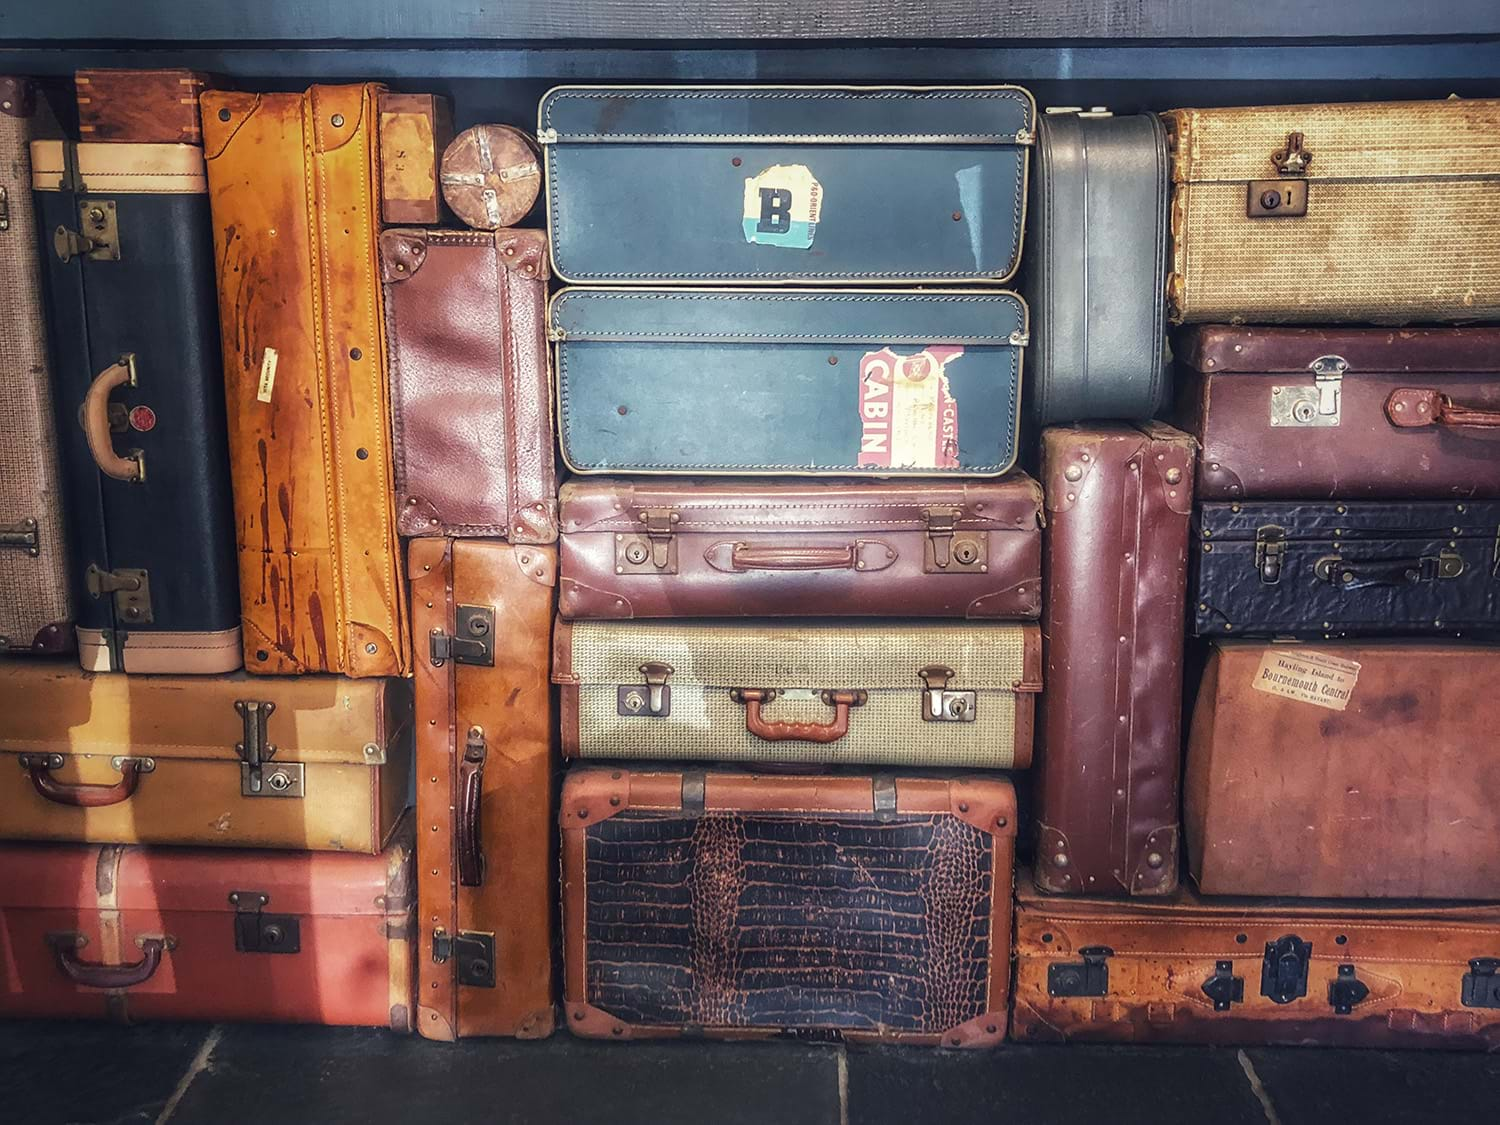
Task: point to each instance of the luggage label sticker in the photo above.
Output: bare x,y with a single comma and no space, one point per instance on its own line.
782,206
267,376
1307,677
908,416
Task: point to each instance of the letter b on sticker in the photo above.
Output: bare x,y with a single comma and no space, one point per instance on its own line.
782,205
775,211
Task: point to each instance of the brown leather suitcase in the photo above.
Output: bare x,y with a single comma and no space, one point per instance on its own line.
127,934
1346,770
1256,971
470,402
1116,559
143,106
484,791
724,548
414,131
739,906
1343,413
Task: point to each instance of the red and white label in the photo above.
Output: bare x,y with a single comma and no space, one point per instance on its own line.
908,416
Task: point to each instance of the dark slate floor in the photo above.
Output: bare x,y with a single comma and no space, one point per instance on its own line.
54,1073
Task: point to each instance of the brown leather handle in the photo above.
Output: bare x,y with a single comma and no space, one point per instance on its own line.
470,790
85,796
752,698
96,422
91,974
746,557
1411,407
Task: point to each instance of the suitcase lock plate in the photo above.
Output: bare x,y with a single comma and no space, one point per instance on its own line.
939,705
651,701
1283,972
949,551
256,932
473,639
131,590
1287,197
1481,984
258,777
97,236
1317,405
473,952
655,551
1089,977
1224,988
1346,990
22,537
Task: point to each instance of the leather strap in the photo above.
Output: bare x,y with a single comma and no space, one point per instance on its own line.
86,796
470,790
746,557
752,698
121,373
1412,407
91,974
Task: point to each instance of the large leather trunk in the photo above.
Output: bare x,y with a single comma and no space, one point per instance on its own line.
1115,610
1096,266
129,277
1318,568
1346,771
470,399
781,184
484,795
131,934
295,186
869,692
710,548
796,383
1343,413
141,106
317,762
738,906
1256,971
36,600
1398,203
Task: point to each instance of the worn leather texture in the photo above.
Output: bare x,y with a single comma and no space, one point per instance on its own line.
414,130
1391,796
1378,446
471,403
652,185
294,181
1096,268
1365,567
1115,574
141,106
787,906
501,714
105,907
749,382
351,740
1171,958
1402,213
755,549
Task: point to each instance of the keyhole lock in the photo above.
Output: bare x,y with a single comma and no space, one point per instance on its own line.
633,702
1303,411
957,707
270,934
637,553
478,626
279,781
1270,200
965,551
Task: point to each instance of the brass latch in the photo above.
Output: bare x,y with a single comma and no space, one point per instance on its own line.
21,536
652,701
97,236
654,552
1286,198
1318,405
1270,547
950,551
1292,159
256,751
473,640
939,705
131,590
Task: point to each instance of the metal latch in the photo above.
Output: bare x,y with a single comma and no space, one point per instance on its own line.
4,207
939,705
1346,990
949,551
1078,111
1285,198
1270,549
473,951
1090,977
22,536
1283,971
1224,988
258,932
256,751
654,552
1318,405
131,590
97,236
473,640
652,701
1481,984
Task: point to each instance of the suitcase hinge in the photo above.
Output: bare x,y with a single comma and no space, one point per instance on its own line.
257,932
22,536
473,639
939,705
1283,971
652,701
1270,548
655,552
4,207
1481,984
949,551
1346,990
1089,977
256,751
1224,988
131,590
97,236
473,952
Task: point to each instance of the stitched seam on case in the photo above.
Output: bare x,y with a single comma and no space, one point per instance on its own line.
1162,213
1049,267
509,366
398,420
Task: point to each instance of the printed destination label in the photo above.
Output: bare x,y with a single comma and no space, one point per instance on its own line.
1307,677
267,376
908,416
782,206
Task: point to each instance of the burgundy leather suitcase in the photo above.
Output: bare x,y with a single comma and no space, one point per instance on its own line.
1343,413
1115,574
723,548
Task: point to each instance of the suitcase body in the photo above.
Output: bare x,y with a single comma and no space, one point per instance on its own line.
486,886
1397,202
305,367
1318,568
128,268
141,106
862,693
1345,771
36,599
414,131
1114,615
1344,413
684,548
471,404
129,934
736,906
317,763
1096,268
748,382
1252,971
786,184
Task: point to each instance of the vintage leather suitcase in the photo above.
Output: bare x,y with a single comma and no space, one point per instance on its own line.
1096,268
36,601
739,906
777,184
1115,610
749,382
316,762
491,176
1398,203
1256,971
128,934
485,725
1346,770
1344,413
470,400
685,548
799,691
414,131
295,186
141,106
1318,568
129,277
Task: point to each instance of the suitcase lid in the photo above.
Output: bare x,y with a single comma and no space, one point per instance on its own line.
1248,520
1221,349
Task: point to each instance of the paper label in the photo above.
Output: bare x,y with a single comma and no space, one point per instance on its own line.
267,376
908,417
782,206
1307,677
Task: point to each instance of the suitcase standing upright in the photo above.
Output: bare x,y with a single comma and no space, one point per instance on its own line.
862,907
1115,611
484,788
141,106
414,130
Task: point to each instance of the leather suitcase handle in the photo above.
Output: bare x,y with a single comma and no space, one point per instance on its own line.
1412,407
1359,574
91,974
832,731
470,791
96,422
746,557
85,796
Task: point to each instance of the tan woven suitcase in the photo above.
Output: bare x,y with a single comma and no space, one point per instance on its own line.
1385,212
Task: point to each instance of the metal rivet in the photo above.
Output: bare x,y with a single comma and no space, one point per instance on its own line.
224,115
1154,860
1001,822
1073,472
833,361
355,353
958,216
963,806
371,648
583,814
1060,860
1174,476
338,120
736,161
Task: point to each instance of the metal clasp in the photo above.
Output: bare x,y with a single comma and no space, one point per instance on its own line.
473,640
1270,549
654,552
256,751
130,588
1292,159
256,932
949,551
1481,984
1088,978
474,952
653,701
21,536
1224,988
939,705
4,207
1283,969
97,236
